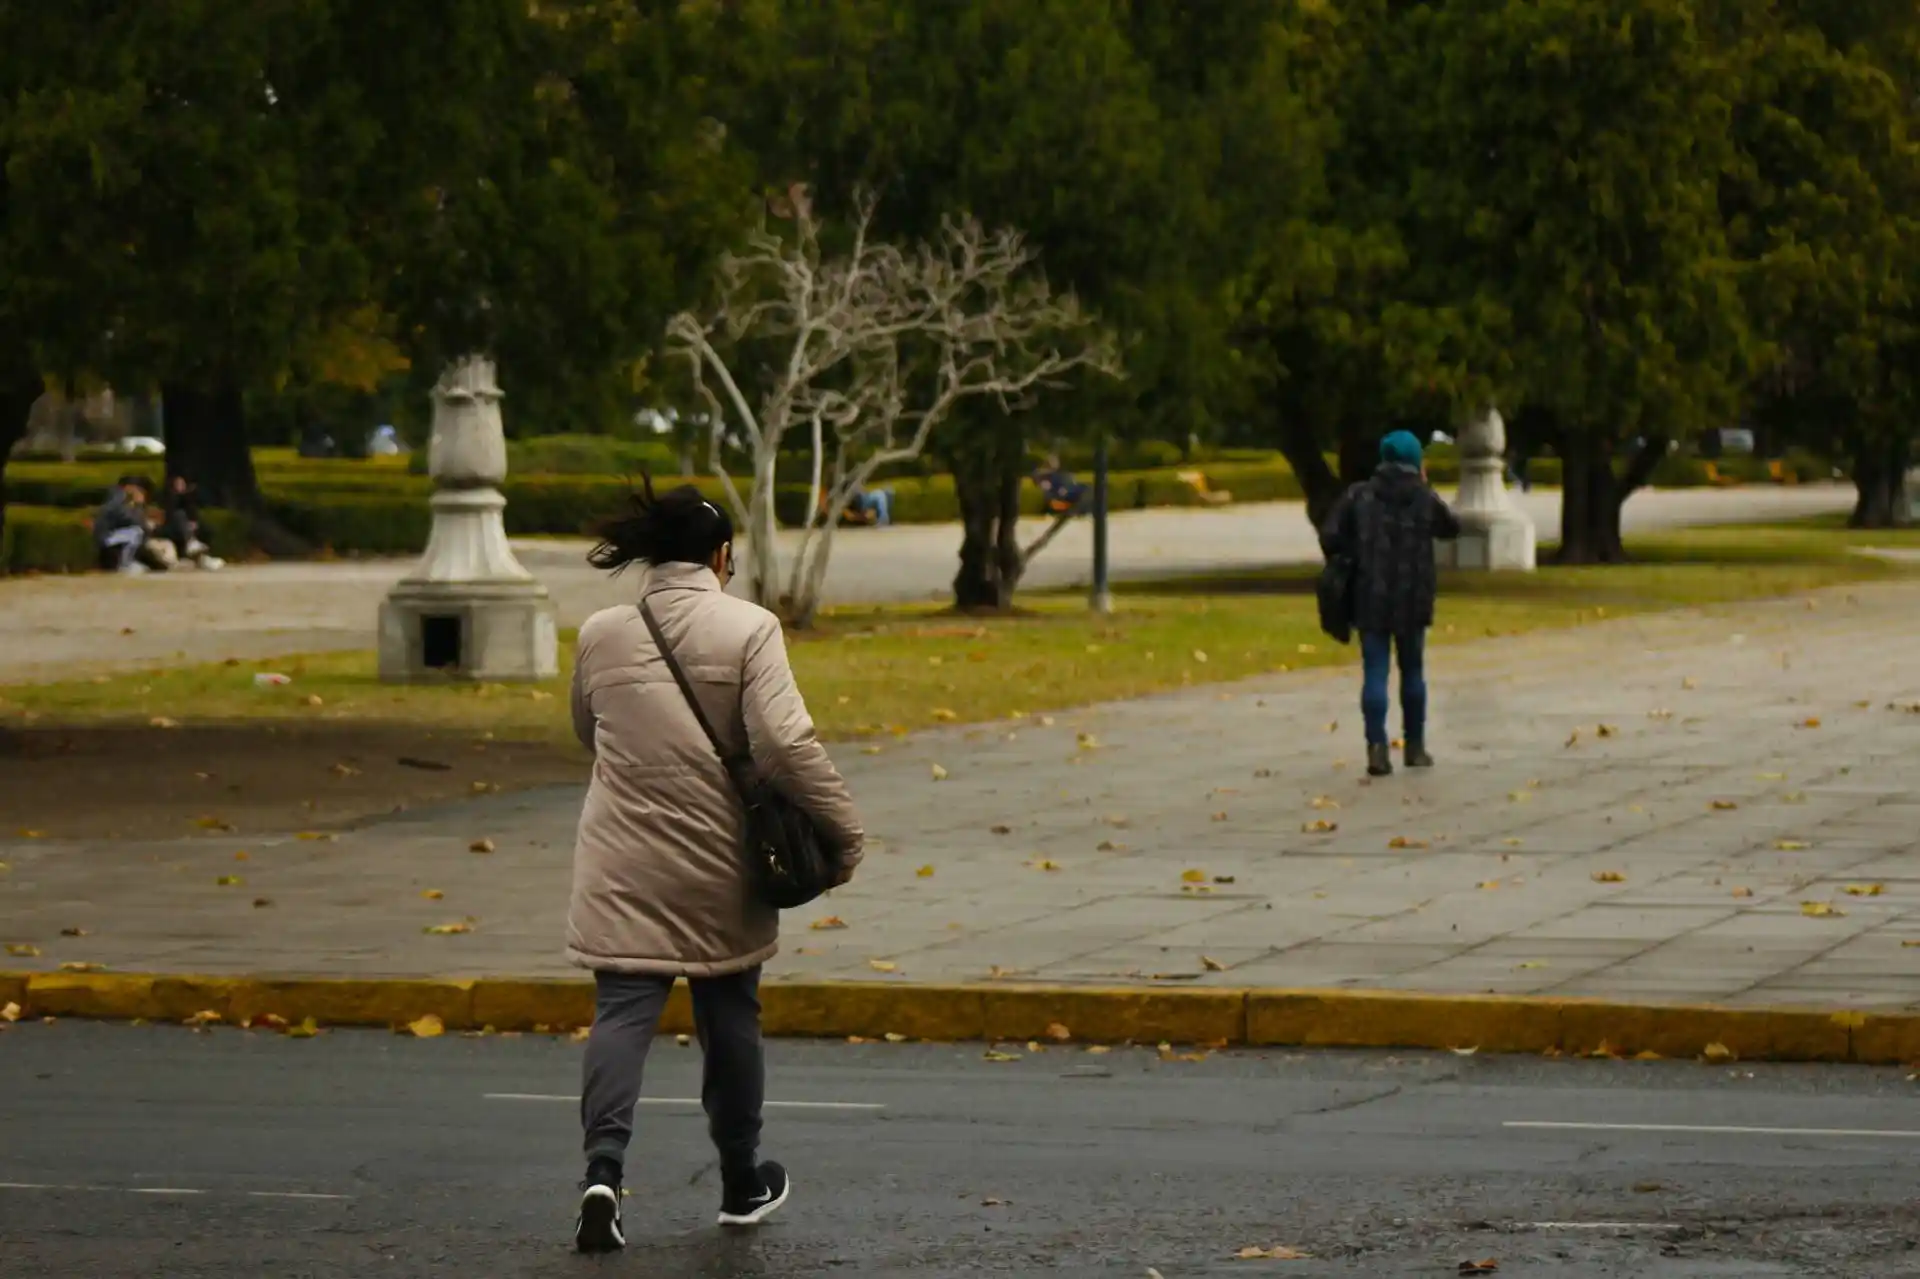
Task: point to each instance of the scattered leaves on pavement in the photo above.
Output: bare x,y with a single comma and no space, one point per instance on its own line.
1319,826
447,930
828,924
1820,910
427,1027
1865,890
1660,713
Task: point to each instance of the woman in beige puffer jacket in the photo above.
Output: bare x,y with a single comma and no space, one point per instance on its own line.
661,888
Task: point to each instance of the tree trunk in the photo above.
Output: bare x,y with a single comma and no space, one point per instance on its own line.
1300,445
1591,498
207,443
987,477
17,396
1879,480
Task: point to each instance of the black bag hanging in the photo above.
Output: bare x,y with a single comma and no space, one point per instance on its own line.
791,861
1335,593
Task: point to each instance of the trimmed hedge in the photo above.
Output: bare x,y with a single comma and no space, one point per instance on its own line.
41,539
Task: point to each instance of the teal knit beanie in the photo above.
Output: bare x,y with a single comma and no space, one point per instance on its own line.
1400,448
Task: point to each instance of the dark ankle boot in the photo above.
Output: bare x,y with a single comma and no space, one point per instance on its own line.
1417,756
1379,761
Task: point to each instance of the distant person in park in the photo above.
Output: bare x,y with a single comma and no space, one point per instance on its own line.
1385,527
1063,493
182,524
120,525
661,883
871,506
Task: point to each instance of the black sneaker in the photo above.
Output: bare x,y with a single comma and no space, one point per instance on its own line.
598,1229
1417,756
1379,761
752,1200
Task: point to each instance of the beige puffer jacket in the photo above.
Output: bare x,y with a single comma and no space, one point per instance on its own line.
659,877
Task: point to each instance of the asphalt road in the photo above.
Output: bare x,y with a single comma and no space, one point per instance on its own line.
137,1151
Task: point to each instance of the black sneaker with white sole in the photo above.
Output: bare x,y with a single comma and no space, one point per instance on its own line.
751,1200
598,1228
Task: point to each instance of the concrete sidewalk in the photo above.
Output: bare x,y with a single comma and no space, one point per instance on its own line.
1670,808
52,628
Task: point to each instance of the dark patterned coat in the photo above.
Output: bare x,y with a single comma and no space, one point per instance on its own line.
1387,526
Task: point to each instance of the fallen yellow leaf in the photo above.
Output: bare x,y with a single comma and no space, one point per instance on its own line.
1320,826
1193,876
1717,1052
883,965
925,872
1058,1032
1810,722
1606,730
1044,863
22,950
81,966
1401,841
1820,910
433,894
205,1017
1790,845
227,881
480,846
994,1054
939,773
315,837
447,930
1325,802
1743,892
1865,890
829,924
1278,1252
307,1029
10,1012
427,1027
944,715
1212,965
1724,806
1608,877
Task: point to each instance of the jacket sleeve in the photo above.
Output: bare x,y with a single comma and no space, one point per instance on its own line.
585,723
1446,525
1336,534
785,747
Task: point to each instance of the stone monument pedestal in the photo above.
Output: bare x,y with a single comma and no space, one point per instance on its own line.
1494,534
469,610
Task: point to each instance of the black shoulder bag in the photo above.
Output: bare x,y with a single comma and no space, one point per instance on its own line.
791,861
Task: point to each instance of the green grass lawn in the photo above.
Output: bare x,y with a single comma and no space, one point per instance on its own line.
876,672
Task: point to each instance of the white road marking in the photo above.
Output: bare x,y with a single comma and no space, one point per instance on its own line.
1602,1225
163,1190
686,1101
1728,1130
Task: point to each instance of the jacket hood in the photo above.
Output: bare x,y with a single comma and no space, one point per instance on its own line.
1398,484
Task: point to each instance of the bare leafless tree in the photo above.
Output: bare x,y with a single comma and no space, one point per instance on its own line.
866,352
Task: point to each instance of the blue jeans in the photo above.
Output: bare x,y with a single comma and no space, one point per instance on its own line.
879,504
1376,659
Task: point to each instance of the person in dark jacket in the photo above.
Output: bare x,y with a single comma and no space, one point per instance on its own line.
1387,525
120,525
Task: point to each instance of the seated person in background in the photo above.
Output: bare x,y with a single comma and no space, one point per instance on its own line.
1057,485
182,524
871,506
120,526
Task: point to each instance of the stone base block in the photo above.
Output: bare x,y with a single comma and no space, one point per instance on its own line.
486,633
1503,543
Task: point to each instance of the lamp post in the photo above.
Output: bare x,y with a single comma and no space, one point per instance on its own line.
1102,601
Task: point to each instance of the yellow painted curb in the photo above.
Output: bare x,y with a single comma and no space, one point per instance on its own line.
999,1011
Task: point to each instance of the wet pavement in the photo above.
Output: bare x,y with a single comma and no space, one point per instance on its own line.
134,1151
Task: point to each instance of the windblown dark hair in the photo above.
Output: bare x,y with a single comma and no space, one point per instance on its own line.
679,527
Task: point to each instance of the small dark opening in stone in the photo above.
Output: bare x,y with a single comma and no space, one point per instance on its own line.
440,643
